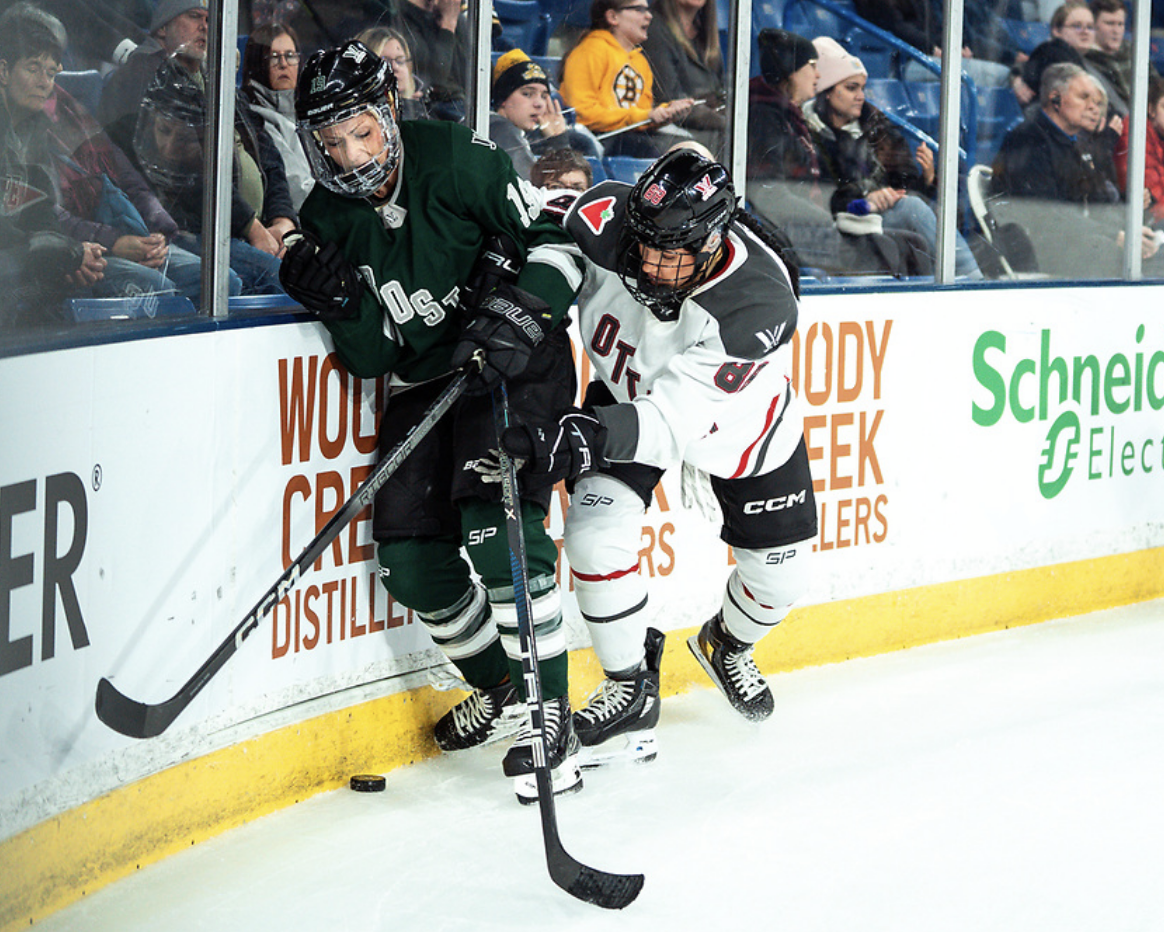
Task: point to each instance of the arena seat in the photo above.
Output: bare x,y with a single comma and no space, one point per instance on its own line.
625,168
138,307
83,86
524,25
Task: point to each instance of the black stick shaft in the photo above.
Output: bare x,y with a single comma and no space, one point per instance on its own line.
610,891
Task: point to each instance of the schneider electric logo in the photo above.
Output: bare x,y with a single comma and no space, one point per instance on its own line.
1081,401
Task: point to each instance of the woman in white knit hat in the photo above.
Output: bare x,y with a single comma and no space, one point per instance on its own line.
861,150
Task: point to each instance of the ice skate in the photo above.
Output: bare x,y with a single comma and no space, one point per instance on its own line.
730,665
561,754
618,722
485,716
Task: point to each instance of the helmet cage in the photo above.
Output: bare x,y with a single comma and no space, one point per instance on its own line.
660,296
170,131
361,180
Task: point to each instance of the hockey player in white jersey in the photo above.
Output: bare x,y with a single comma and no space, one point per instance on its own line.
687,313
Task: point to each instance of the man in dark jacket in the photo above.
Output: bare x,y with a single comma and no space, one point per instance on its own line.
178,31
1048,186
439,41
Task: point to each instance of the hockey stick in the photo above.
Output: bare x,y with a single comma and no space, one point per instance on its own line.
610,891
144,720
642,123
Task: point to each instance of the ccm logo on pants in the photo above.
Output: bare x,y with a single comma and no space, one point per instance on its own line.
779,503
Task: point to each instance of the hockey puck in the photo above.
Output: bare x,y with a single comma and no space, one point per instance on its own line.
368,783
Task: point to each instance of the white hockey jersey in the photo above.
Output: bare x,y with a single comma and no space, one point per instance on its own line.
711,388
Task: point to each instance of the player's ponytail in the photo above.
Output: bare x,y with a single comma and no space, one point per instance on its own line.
776,240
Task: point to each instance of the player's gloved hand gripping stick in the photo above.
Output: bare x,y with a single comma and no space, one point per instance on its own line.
562,451
508,326
144,720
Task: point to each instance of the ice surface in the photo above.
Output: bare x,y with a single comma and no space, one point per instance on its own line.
1011,781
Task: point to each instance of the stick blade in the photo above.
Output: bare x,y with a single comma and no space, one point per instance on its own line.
610,891
128,716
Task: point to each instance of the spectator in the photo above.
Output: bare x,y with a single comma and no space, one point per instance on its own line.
98,30
391,46
69,151
783,166
270,73
608,81
105,200
1072,32
523,107
171,62
683,49
1049,187
1110,59
436,33
1098,139
168,144
562,170
39,265
559,177
861,150
1154,160
779,142
987,50
178,30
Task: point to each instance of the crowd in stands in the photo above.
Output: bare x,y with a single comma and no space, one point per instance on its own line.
107,200
840,178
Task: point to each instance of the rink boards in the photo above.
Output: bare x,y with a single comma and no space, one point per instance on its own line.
981,460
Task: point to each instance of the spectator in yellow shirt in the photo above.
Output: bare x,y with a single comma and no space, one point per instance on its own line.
607,79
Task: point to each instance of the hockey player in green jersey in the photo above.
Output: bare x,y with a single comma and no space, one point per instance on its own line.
390,237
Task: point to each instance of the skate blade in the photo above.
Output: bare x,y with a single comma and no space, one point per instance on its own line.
636,747
566,778
693,646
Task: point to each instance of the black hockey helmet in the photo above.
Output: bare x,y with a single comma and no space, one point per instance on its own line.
337,85
171,128
684,201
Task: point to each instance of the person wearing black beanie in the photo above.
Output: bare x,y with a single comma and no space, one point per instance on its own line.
783,53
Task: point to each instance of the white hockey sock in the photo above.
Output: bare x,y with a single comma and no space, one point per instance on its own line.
546,607
603,530
763,588
463,629
615,611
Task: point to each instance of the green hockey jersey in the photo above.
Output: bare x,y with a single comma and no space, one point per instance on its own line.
454,189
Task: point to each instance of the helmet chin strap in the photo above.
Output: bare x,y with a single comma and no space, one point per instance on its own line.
709,259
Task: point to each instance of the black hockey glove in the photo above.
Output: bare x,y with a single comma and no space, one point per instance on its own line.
562,451
319,277
498,261
509,324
